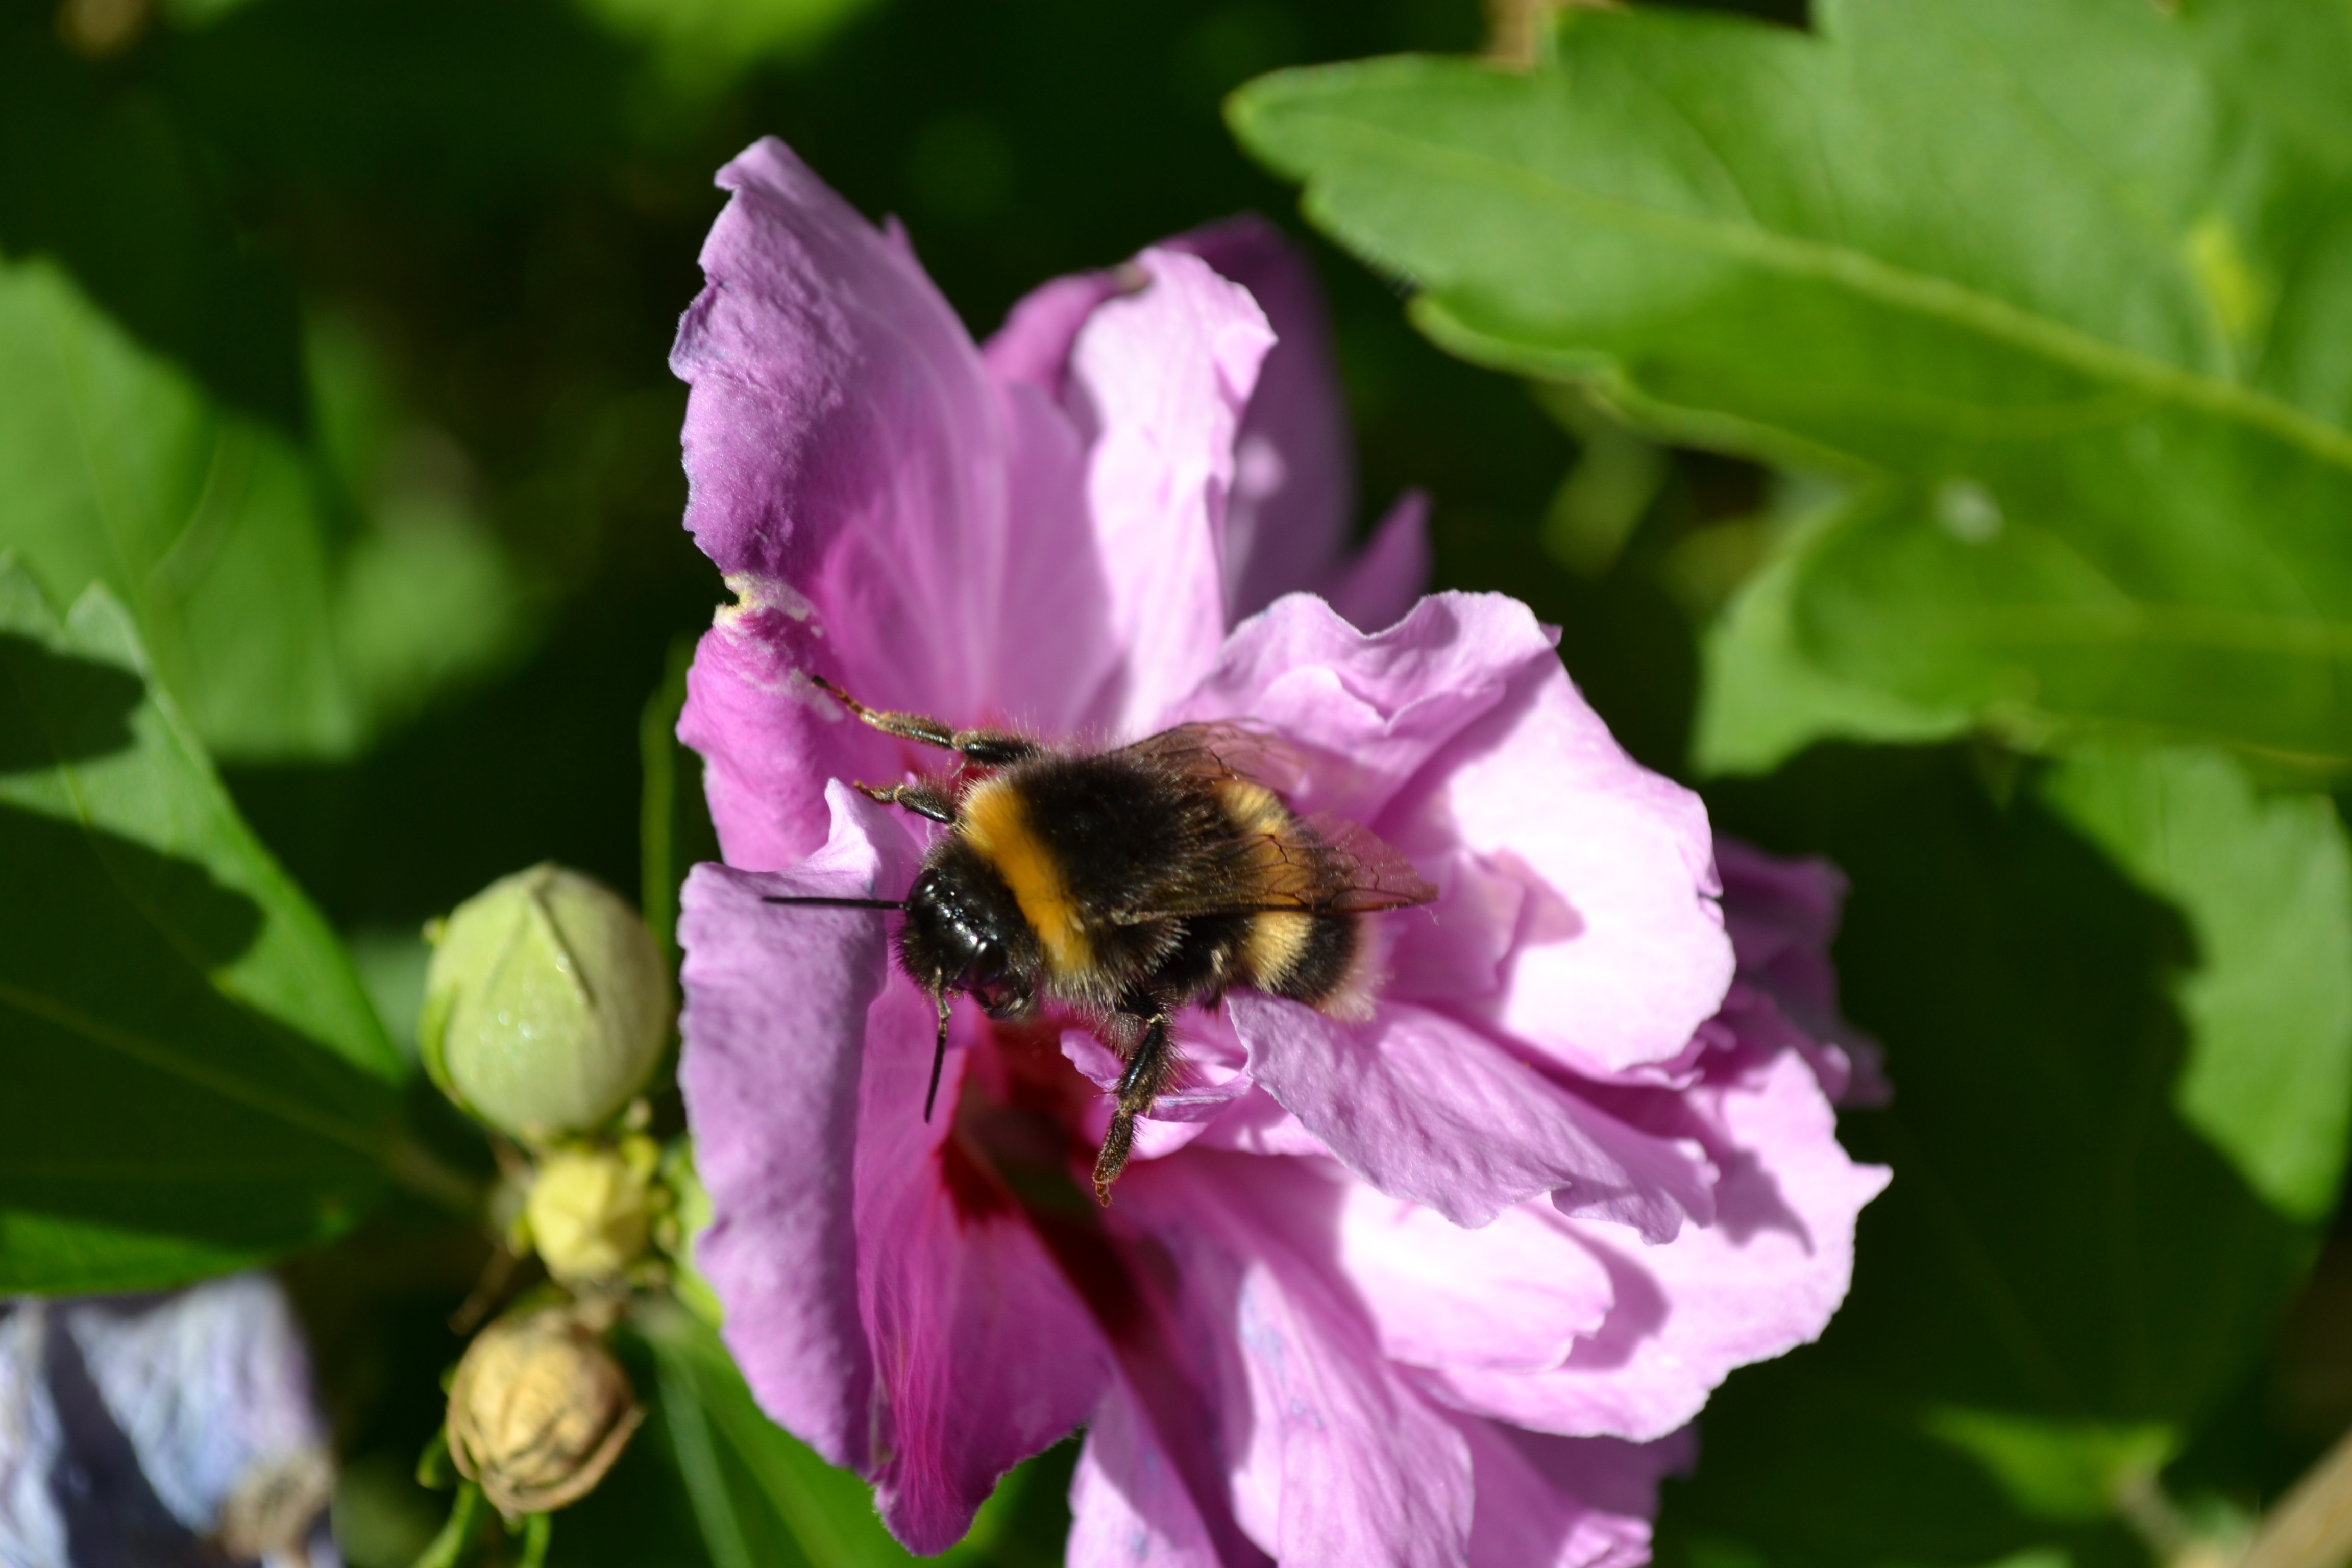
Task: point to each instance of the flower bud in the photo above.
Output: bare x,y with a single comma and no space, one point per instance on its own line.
590,1211
686,1216
538,1411
546,1006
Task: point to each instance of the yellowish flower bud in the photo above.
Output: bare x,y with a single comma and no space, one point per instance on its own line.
538,1411
546,1006
590,1211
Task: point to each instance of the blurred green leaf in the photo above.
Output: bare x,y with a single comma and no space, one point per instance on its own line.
282,632
761,1497
674,828
703,43
392,965
465,108
115,467
2061,1261
2266,888
195,1080
2071,1471
98,171
2057,274
760,1494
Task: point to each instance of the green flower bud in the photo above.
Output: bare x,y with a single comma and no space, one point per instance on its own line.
538,1411
546,1004
590,1211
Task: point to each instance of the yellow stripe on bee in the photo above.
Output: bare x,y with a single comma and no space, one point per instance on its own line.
995,824
1274,945
1252,807
1276,941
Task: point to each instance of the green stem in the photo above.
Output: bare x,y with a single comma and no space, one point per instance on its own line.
536,1529
448,1548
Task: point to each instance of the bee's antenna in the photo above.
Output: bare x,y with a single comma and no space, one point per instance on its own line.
836,903
938,1059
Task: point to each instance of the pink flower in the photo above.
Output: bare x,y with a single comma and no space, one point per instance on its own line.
1440,1287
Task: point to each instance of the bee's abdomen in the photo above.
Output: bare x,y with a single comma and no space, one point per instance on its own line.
1309,958
1311,955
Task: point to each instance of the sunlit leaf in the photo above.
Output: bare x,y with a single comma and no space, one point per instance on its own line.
2266,888
2057,276
284,626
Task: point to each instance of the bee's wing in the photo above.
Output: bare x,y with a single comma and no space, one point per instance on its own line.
1325,865
1363,873
1221,750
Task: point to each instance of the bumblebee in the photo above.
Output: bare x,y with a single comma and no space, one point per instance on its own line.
1128,884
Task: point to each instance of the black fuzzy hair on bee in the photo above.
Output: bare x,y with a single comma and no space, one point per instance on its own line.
1127,884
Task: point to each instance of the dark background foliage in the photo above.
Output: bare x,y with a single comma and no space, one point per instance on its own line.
417,264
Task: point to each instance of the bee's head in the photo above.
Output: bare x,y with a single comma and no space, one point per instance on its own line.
964,931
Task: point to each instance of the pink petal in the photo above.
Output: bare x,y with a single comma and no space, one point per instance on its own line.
1457,729
1032,347
841,436
1763,1279
1378,708
1294,496
1128,1504
1257,1124
884,1297
1513,1296
983,1353
1288,512
1335,1460
774,1026
1059,648
1158,381
1427,1110
1380,587
854,473
1783,916
1621,953
767,746
1565,1502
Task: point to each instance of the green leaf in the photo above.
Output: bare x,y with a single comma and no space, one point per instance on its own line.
102,174
424,599
704,44
761,1497
760,1494
2266,888
1763,699
2061,1260
280,636
674,828
195,1078
2067,1470
2059,273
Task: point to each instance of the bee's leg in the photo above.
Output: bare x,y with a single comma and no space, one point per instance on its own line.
922,799
986,748
938,1059
1147,1073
